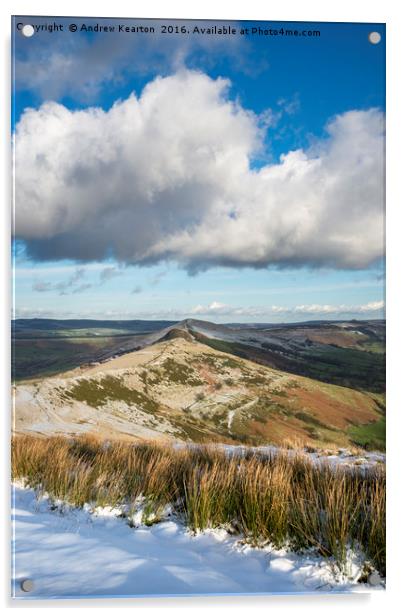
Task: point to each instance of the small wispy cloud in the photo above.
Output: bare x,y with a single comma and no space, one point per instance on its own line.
42,287
291,105
108,273
62,287
82,288
74,283
157,278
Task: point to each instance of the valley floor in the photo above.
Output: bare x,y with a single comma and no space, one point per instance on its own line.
70,552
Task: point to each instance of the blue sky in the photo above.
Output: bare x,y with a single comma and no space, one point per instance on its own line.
82,252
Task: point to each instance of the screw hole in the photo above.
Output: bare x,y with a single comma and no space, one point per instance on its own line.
28,30
374,38
27,585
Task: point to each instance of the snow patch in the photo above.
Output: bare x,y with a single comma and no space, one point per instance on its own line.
70,552
231,415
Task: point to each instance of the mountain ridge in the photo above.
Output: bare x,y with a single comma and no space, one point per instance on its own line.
181,389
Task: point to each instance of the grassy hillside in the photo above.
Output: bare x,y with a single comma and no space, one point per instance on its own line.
350,367
185,390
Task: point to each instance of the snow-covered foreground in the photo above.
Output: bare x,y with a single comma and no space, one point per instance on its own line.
69,552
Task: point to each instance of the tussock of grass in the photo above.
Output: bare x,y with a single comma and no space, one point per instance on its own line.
281,498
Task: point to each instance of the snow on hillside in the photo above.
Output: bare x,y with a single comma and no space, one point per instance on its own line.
343,458
70,552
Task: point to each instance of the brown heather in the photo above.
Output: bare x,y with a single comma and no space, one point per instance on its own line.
282,499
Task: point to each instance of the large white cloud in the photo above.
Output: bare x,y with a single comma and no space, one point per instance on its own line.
169,176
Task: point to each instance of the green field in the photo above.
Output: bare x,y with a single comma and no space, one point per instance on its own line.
369,436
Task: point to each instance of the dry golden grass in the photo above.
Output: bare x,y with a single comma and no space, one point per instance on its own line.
279,498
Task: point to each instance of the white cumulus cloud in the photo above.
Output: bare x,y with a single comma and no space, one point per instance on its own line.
169,176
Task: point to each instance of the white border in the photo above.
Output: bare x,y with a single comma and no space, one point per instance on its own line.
292,10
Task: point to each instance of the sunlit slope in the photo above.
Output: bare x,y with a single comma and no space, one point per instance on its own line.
182,389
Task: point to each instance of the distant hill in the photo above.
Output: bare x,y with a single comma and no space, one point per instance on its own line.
348,353
65,327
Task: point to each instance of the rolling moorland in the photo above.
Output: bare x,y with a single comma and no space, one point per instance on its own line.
318,383
159,418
